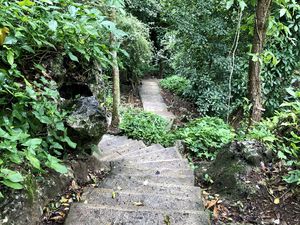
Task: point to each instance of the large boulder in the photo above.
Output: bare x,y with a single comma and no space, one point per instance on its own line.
88,122
232,166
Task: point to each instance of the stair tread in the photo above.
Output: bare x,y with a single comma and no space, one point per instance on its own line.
86,214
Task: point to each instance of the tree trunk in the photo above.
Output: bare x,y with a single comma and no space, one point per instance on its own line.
260,29
116,77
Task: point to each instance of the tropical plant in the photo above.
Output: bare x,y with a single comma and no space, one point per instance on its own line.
146,126
175,84
204,137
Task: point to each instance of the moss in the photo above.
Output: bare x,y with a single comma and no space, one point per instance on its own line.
31,188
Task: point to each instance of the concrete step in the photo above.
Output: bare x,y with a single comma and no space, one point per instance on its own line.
161,154
176,180
160,164
163,172
132,146
152,187
110,142
146,150
132,200
86,214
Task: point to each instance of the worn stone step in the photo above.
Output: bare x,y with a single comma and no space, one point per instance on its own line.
149,149
163,172
162,154
119,151
176,180
133,200
86,214
152,187
159,164
109,142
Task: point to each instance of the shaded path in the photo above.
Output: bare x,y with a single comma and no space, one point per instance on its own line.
152,99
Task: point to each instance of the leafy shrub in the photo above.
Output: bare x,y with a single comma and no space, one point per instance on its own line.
145,126
205,136
175,84
32,131
281,133
138,45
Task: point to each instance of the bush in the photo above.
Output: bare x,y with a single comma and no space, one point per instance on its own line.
146,126
282,134
205,136
175,84
32,132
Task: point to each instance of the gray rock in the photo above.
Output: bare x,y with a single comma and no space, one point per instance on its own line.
232,165
87,122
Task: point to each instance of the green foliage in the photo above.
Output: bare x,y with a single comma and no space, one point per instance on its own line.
199,41
281,133
32,129
137,45
76,30
205,136
146,126
175,84
33,136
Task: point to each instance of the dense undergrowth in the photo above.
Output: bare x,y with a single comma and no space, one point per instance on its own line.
33,135
203,137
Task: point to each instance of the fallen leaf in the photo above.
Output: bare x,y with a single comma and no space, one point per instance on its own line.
138,203
167,220
212,203
113,195
276,201
216,212
64,200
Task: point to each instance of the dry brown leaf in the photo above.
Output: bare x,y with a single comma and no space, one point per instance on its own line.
216,212
211,203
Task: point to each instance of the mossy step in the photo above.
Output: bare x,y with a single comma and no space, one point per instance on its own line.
134,200
86,214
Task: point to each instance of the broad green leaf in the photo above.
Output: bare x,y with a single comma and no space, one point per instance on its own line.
13,176
59,168
282,12
73,57
26,3
10,58
1,195
16,186
70,143
229,4
53,25
33,160
242,4
33,142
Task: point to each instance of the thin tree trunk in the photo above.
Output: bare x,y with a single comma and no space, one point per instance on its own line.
116,78
260,29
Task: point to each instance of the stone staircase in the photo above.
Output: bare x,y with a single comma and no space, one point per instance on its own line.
147,186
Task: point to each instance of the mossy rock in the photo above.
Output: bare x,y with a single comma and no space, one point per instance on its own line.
232,165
